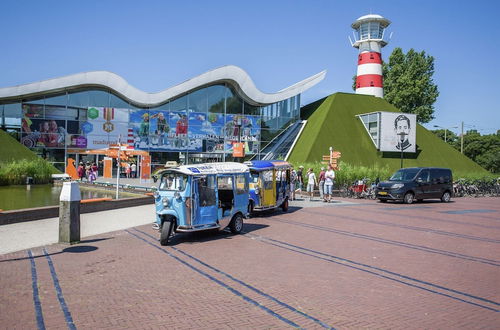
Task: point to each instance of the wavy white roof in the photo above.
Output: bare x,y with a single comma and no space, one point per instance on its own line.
230,74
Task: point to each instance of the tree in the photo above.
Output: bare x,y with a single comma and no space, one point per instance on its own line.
408,83
483,149
451,137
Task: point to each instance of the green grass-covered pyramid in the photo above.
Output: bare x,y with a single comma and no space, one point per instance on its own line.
332,121
12,150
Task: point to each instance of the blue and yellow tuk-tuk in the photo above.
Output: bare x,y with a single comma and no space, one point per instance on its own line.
269,185
201,197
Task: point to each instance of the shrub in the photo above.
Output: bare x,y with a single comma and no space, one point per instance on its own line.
16,172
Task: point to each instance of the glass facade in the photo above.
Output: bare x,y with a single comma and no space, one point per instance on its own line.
371,122
200,126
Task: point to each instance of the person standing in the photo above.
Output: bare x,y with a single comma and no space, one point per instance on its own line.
127,170
300,179
311,183
133,170
322,184
329,182
87,171
81,171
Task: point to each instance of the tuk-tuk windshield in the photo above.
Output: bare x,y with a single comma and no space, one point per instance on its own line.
173,181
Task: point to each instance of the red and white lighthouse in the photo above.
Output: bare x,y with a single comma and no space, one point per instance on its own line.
369,39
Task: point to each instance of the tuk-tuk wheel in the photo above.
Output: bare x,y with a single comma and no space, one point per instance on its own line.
236,224
166,230
284,206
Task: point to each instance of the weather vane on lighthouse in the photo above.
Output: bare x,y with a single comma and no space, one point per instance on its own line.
369,39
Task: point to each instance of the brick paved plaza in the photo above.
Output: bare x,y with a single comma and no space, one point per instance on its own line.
363,265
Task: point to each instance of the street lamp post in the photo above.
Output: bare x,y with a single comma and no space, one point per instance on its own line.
445,130
401,139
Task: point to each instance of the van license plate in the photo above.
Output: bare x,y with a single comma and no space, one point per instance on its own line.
382,192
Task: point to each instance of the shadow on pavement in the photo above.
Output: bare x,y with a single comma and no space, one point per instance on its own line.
278,211
210,235
76,248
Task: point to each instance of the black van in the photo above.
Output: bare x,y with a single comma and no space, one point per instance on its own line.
417,183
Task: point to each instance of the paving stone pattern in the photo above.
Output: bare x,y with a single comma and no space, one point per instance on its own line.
348,265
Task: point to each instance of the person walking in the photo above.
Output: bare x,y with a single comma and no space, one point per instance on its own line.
329,182
311,183
293,181
94,170
300,179
322,184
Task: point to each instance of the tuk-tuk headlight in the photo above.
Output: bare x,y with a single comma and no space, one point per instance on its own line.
177,195
165,201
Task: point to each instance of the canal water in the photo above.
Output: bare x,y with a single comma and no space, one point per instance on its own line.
22,197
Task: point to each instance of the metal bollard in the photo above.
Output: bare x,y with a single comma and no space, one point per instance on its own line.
69,213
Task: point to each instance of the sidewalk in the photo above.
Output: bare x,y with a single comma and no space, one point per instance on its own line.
25,235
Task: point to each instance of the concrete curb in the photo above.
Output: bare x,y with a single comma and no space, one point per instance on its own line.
25,215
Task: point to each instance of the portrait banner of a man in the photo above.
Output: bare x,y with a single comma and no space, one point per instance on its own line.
398,132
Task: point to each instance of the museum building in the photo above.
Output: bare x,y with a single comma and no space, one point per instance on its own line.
199,120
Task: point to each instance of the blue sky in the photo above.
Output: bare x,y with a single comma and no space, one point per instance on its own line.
157,44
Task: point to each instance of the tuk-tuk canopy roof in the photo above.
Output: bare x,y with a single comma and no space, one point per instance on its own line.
267,164
212,168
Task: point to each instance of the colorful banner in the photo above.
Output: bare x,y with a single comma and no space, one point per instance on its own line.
104,126
245,129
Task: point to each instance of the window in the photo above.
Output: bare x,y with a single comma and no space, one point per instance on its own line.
241,184
198,100
423,176
206,190
267,177
225,183
234,104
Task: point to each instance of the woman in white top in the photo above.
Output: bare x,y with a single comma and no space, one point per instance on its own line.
311,182
329,177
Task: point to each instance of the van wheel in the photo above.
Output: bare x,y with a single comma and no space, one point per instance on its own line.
166,230
236,224
408,198
284,206
446,197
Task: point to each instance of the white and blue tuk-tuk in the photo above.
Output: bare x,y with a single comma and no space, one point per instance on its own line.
269,185
201,197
